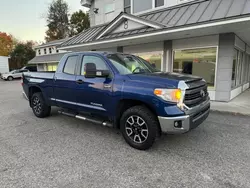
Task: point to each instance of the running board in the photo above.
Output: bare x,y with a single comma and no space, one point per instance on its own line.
87,118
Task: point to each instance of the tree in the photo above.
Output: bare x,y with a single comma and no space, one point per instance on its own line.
22,53
78,22
6,44
57,20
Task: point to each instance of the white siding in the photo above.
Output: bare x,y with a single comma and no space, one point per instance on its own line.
4,64
236,92
245,86
53,50
103,17
212,95
196,42
130,26
248,49
115,7
141,48
240,44
107,49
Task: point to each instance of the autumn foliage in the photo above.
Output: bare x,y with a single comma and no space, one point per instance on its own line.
6,44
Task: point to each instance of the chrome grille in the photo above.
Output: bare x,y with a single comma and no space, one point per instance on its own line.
196,94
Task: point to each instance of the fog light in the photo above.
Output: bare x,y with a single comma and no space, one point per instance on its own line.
178,124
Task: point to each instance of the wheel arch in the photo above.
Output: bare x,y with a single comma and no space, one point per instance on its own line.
125,104
32,90
10,76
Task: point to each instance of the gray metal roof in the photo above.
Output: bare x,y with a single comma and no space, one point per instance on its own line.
199,12
85,36
192,13
47,58
52,43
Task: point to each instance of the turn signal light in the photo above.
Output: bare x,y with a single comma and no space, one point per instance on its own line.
158,92
172,95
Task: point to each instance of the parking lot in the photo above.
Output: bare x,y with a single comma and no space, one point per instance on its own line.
60,151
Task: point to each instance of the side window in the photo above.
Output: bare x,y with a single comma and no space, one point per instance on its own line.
70,65
100,64
25,70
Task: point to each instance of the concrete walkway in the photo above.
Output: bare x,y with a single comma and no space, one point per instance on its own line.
239,105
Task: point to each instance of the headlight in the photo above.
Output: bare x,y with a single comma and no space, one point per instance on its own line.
171,95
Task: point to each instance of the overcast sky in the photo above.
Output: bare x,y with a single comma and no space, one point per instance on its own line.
25,19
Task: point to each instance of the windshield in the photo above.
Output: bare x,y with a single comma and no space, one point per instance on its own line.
130,64
13,71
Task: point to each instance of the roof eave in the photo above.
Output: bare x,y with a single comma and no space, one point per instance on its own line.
162,31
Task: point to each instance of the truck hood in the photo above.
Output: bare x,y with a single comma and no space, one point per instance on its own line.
164,78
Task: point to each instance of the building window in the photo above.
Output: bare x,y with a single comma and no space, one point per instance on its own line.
237,68
199,62
127,6
39,52
45,51
248,75
109,8
155,58
245,69
159,3
52,67
142,5
50,50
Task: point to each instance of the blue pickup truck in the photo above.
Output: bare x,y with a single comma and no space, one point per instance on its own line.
120,90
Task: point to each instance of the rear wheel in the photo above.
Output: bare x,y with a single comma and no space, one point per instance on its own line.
139,127
10,78
39,106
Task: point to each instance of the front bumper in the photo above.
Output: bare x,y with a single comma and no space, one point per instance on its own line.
181,124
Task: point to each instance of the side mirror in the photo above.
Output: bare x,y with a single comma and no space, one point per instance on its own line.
90,70
153,65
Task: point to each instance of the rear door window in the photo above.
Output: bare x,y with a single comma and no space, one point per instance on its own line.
70,65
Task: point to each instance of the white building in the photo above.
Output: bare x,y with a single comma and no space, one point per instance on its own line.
48,56
208,38
4,64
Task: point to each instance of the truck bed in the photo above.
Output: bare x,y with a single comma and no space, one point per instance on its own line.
39,75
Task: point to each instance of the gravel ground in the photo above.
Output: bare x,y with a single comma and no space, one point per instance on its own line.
60,151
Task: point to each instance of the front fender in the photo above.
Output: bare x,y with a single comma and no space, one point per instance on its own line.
144,92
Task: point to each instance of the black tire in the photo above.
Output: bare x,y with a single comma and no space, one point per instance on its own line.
147,138
39,106
10,78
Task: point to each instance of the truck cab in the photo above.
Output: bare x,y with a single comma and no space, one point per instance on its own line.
123,91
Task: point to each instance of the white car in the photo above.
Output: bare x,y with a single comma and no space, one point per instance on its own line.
13,74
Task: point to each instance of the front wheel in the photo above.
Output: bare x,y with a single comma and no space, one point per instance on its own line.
39,106
139,127
10,78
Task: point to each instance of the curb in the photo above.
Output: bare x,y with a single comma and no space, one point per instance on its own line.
230,112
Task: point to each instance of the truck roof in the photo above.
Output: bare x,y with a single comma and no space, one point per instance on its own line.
95,52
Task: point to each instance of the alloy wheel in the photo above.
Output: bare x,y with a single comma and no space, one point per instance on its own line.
36,103
136,129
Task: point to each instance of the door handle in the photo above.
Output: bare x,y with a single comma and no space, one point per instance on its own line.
107,86
79,81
